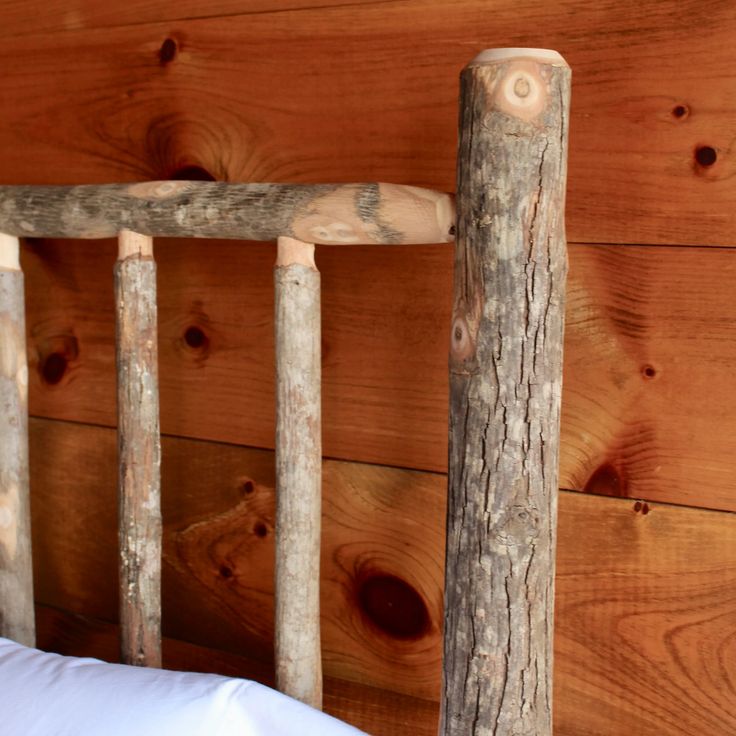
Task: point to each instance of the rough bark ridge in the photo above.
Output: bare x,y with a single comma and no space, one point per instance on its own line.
505,385
16,573
298,472
139,458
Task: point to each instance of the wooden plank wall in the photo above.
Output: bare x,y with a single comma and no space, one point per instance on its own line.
290,90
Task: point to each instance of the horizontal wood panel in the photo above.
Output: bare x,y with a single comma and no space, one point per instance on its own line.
648,406
345,92
377,712
218,509
23,18
645,637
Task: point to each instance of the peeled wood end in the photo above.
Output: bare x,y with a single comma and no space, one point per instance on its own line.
541,56
9,252
291,251
132,244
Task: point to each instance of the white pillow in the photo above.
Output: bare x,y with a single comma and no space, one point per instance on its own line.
45,694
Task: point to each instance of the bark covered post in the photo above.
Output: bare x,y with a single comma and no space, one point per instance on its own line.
139,452
298,472
17,620
505,386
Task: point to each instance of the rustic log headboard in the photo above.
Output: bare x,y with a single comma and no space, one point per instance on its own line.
507,221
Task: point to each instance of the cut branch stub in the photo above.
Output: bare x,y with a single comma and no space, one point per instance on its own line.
505,385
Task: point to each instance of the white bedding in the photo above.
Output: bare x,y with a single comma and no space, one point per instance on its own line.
44,694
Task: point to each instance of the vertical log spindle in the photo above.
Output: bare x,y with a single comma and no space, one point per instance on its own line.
17,620
505,386
139,451
298,472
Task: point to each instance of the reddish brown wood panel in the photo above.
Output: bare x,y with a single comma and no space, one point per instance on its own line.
378,712
645,638
648,406
381,613
369,91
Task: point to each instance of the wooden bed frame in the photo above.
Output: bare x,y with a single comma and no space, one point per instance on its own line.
505,385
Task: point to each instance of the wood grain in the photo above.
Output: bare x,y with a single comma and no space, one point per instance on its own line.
381,614
648,407
645,632
22,18
179,97
378,712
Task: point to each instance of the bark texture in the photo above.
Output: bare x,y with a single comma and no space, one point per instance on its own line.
16,572
505,386
139,458
332,214
298,473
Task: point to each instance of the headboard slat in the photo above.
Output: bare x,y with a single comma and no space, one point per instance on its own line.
16,572
298,471
139,451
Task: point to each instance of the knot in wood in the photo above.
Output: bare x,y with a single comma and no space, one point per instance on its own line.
523,91
519,526
522,87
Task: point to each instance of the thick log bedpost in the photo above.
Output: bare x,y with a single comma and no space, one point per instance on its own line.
139,452
505,384
298,472
16,572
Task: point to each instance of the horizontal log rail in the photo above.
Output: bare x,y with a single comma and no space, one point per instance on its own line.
326,214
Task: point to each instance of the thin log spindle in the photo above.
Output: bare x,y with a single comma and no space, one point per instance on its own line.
17,620
505,386
139,451
298,472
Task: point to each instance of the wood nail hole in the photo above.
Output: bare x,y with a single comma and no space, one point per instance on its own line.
393,606
226,572
706,156
53,368
260,529
248,487
641,507
167,52
649,371
195,338
680,111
